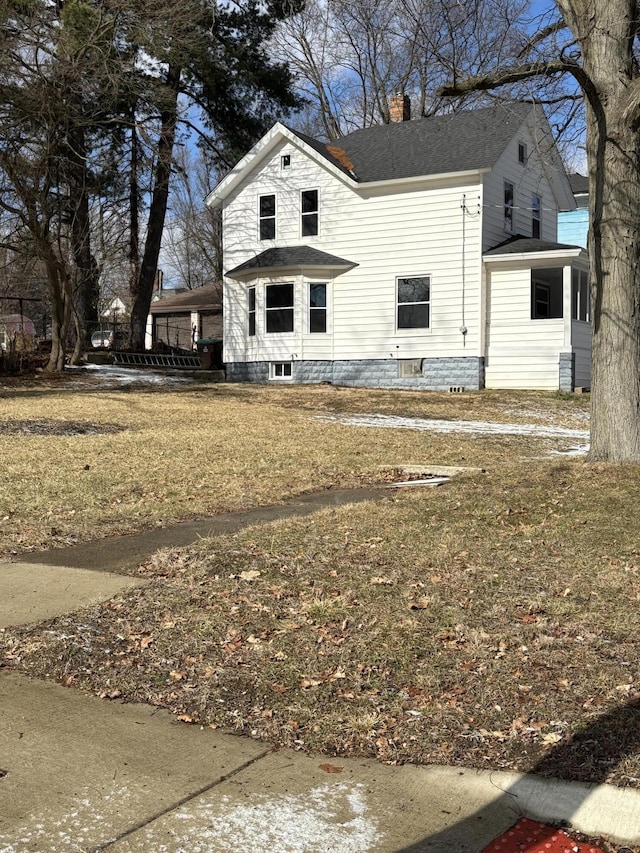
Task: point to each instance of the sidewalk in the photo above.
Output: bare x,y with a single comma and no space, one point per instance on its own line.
79,773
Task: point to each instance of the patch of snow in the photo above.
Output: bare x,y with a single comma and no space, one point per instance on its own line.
330,817
130,375
465,427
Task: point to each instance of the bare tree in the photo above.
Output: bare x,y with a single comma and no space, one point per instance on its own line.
192,245
596,43
350,56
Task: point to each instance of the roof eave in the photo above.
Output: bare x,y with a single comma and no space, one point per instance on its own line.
418,179
292,269
552,254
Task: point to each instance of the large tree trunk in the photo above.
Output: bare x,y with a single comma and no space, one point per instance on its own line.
604,30
615,276
143,289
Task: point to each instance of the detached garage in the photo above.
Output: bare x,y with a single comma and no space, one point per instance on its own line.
181,320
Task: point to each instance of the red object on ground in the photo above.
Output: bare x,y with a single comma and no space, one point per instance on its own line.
527,836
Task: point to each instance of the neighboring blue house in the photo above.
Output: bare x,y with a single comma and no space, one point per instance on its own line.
573,225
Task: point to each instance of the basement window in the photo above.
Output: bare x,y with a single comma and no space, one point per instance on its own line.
409,368
280,370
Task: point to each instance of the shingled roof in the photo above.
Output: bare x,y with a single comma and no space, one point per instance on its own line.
460,142
290,257
519,245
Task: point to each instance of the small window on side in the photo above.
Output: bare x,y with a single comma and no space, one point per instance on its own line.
317,308
251,296
522,153
285,161
508,207
536,216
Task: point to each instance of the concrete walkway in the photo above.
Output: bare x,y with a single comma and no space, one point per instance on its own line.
79,773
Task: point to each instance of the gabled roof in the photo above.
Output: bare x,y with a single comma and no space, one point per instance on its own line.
467,141
291,258
461,142
205,298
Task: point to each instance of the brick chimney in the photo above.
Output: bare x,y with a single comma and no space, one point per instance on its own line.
399,107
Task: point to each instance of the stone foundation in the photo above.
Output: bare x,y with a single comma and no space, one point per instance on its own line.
437,374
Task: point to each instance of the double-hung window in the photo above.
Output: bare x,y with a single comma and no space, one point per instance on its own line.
251,300
508,207
317,307
279,308
309,213
414,302
536,208
267,217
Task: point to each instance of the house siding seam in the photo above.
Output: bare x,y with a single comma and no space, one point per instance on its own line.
438,374
567,371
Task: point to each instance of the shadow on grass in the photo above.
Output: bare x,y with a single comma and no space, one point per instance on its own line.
592,753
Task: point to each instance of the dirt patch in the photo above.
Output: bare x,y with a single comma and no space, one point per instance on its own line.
52,427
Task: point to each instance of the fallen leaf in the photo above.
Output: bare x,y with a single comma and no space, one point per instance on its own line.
330,768
421,604
249,575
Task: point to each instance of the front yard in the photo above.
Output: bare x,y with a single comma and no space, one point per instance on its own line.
486,622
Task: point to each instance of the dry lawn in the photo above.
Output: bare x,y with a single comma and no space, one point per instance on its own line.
489,622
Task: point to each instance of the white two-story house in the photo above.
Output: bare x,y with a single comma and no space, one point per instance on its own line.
419,254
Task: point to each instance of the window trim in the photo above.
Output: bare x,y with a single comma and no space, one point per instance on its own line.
285,161
285,368
403,330
270,311
310,213
508,206
267,218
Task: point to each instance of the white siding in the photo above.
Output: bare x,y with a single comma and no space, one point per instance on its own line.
521,352
412,233
581,342
528,180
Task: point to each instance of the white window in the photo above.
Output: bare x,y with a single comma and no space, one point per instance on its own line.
267,217
414,302
280,370
522,152
508,207
285,161
536,216
317,307
279,308
309,213
251,299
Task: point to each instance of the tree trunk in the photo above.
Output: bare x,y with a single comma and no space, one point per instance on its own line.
613,152
143,289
